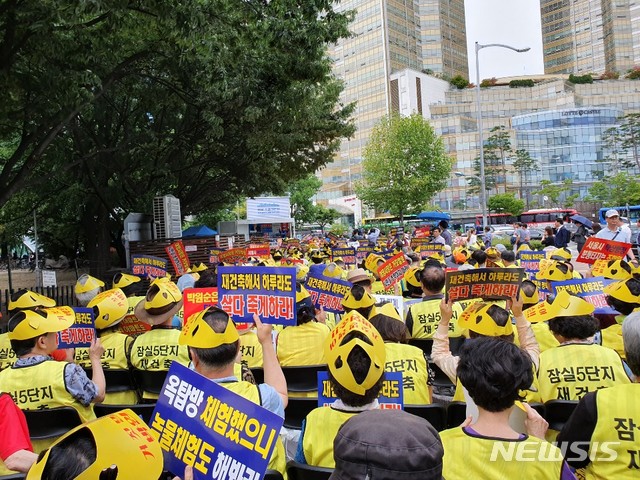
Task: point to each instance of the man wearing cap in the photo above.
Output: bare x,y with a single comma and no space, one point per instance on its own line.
36,381
615,231
156,349
609,417
355,358
577,366
213,343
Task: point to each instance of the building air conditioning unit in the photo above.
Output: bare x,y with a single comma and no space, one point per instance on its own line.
167,221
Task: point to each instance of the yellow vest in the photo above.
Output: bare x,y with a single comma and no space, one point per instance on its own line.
321,427
302,345
426,317
410,361
612,338
251,392
156,349
618,418
570,371
466,456
7,355
251,349
331,320
543,335
39,386
377,288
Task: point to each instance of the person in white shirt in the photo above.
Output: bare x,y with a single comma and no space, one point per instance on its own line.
614,231
437,237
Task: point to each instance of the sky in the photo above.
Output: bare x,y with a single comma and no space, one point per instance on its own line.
511,22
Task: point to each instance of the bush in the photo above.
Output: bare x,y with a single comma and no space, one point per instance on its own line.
536,245
610,75
488,82
459,82
633,74
527,82
575,79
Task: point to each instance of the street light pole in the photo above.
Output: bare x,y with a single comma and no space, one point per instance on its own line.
483,180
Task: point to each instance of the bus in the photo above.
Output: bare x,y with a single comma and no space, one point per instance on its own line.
630,212
544,217
496,219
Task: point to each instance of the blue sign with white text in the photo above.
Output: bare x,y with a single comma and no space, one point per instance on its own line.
589,289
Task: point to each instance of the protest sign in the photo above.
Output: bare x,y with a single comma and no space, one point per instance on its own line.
258,251
327,292
530,261
590,289
430,249
543,288
233,256
348,255
396,300
391,395
213,255
148,266
488,283
392,271
292,242
396,231
371,262
81,332
207,426
422,232
362,252
197,299
178,257
269,292
419,241
601,249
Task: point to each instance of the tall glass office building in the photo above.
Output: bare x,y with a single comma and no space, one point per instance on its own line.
567,144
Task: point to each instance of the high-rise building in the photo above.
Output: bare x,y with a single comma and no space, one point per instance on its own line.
590,36
389,36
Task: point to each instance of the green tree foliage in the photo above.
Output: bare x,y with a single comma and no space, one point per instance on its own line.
527,82
523,164
301,194
505,203
108,104
459,82
339,229
324,216
623,142
576,79
619,189
404,166
633,74
497,149
554,192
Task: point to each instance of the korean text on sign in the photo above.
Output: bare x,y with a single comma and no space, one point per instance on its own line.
266,291
178,256
390,397
491,283
81,333
197,299
148,266
392,271
216,431
327,292
601,249
590,289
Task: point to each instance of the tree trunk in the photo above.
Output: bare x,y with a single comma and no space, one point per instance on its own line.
96,223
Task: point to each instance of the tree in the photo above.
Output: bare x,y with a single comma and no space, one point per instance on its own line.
553,191
301,194
497,148
106,105
629,137
505,203
404,166
459,82
620,189
324,216
523,164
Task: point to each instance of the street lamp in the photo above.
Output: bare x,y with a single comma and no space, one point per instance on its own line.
483,192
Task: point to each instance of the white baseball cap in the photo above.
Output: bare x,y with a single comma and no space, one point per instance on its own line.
611,213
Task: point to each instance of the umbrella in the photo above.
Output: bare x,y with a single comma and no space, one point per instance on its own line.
583,220
434,216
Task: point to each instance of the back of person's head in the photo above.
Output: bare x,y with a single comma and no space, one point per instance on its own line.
494,372
355,359
305,310
358,299
631,339
443,224
208,278
433,278
559,220
70,457
387,445
479,256
391,329
523,225
577,327
220,346
624,296
508,256
487,229
487,320
529,294
21,347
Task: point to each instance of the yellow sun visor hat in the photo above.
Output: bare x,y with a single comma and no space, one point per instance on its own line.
613,269
620,291
26,299
162,300
561,254
122,280
337,352
554,271
109,308
31,324
563,305
386,309
198,333
349,301
530,299
86,283
371,262
412,277
122,439
201,267
477,319
332,270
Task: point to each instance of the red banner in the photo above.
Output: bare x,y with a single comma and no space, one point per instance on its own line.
235,255
196,299
392,271
178,257
260,251
601,249
422,232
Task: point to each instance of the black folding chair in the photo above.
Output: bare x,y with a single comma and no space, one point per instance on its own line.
424,344
51,422
435,414
300,471
297,410
558,412
143,410
15,476
119,381
303,379
271,475
456,414
455,343
149,380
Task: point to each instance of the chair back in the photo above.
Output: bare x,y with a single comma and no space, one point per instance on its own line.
300,471
558,412
540,408
440,378
14,476
303,379
119,381
435,414
455,343
149,380
258,374
143,410
269,475
297,410
456,414
424,344
51,422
